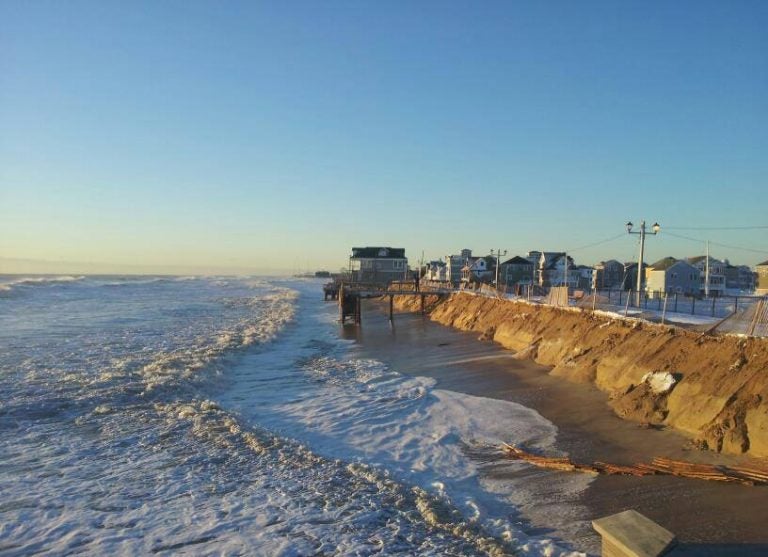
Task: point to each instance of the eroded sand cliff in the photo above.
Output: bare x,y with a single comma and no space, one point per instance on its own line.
721,394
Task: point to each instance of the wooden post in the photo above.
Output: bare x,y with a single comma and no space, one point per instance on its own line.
391,308
713,305
358,310
664,313
693,305
675,302
341,304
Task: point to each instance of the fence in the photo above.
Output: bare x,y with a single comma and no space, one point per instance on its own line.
746,315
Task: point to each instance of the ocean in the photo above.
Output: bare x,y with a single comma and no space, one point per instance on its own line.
228,416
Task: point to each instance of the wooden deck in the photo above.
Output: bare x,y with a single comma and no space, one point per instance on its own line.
350,295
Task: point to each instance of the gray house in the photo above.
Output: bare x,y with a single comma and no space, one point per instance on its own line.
672,276
608,274
378,265
517,270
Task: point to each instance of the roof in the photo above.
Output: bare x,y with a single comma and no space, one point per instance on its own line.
664,264
517,260
375,252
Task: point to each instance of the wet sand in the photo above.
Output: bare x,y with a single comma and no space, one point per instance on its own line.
709,518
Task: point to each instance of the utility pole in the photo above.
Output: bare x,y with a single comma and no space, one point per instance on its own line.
642,232
498,255
565,270
706,272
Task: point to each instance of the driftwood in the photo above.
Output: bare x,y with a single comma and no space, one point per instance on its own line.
736,474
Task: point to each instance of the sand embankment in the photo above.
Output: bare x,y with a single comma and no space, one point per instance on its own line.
721,394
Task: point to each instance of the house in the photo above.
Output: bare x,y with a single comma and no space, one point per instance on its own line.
739,278
673,276
515,271
761,288
545,266
455,263
716,273
481,269
378,265
630,275
553,273
582,275
608,274
436,270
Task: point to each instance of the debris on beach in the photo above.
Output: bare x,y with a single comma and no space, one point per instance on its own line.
745,475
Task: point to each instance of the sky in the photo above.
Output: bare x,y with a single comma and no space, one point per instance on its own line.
274,136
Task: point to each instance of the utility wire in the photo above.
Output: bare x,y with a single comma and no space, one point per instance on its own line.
757,227
697,240
612,238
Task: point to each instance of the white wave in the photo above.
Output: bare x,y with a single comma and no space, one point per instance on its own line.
365,412
9,285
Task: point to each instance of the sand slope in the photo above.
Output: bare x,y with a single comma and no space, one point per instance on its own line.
721,393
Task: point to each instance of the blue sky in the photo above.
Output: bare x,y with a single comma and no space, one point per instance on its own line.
275,136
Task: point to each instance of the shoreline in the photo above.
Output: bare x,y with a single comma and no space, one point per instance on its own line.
708,518
720,389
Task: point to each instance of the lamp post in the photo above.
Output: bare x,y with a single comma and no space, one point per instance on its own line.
498,254
642,232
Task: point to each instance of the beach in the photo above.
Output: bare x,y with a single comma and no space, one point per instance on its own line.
708,517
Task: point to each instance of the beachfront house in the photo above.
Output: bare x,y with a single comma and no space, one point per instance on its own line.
553,271
716,274
739,278
762,278
544,266
480,269
516,271
582,274
378,265
454,265
436,270
673,276
608,274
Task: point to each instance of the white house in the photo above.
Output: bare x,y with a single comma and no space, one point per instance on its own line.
455,263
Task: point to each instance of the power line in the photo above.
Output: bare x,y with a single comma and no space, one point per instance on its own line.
756,227
697,240
612,238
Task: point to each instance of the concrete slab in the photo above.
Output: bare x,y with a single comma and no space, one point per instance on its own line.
630,534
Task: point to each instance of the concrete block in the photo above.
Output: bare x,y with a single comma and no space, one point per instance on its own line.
630,534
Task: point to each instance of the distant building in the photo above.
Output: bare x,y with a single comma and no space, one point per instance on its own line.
716,274
739,278
436,270
557,270
762,278
480,269
672,276
378,265
516,271
546,267
630,275
582,275
608,274
455,263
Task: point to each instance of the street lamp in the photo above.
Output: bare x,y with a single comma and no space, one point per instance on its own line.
642,232
498,254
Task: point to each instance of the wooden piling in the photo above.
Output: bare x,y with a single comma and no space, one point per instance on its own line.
391,308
